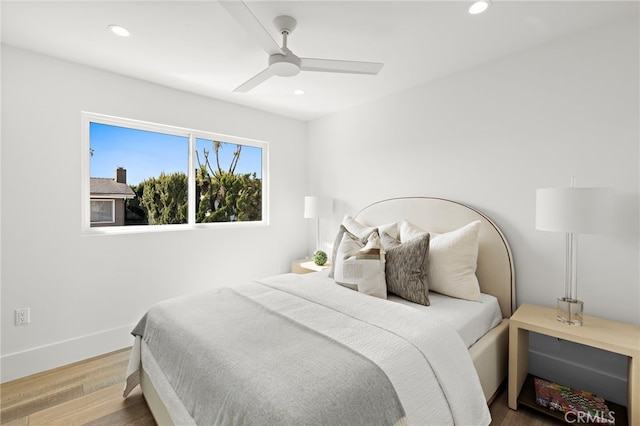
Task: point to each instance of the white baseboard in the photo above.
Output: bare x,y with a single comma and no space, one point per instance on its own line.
24,363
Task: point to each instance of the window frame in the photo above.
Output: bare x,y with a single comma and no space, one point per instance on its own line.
192,134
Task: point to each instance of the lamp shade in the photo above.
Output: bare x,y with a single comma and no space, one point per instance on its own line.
317,207
574,210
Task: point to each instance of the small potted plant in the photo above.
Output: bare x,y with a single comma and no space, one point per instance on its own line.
320,258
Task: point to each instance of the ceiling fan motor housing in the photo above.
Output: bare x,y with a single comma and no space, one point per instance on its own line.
284,65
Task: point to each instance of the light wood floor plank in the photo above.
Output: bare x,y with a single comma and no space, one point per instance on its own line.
106,377
86,409
499,407
77,373
22,421
38,398
90,393
136,412
35,403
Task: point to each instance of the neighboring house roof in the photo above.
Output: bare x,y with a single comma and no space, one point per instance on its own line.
109,188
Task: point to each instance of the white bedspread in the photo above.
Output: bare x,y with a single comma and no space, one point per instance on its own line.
423,363
425,359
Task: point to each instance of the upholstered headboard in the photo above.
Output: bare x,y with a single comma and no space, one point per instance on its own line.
495,269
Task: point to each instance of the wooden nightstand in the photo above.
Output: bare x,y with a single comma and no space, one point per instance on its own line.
304,266
599,333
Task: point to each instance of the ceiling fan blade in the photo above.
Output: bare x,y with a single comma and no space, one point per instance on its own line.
331,65
243,15
254,81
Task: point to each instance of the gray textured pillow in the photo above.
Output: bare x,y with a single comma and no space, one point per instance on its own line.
406,268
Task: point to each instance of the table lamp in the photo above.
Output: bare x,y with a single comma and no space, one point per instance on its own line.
316,208
573,211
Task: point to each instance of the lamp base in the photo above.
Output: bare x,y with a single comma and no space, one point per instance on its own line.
569,311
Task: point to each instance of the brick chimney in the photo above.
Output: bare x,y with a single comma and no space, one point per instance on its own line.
121,175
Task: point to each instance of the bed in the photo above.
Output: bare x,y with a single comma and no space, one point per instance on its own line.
351,334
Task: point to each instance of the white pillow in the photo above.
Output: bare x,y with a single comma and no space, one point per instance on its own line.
357,228
362,231
360,266
453,258
409,231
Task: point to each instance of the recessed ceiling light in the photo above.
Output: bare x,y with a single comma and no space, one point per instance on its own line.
478,6
119,30
298,92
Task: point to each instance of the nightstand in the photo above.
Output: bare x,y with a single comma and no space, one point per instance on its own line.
599,333
304,266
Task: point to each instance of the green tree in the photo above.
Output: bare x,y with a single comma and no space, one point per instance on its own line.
223,195
165,199
135,213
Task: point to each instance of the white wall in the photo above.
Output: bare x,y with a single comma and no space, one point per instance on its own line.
85,293
490,136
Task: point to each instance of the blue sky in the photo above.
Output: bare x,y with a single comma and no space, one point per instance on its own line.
147,154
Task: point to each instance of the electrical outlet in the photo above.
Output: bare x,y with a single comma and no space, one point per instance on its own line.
23,316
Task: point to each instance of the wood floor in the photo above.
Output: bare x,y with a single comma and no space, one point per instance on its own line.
85,393
90,393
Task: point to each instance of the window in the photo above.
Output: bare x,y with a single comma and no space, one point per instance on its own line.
140,175
220,167
102,211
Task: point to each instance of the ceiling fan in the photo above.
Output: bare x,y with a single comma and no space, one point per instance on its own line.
282,61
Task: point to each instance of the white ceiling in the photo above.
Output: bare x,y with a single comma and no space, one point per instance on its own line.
196,46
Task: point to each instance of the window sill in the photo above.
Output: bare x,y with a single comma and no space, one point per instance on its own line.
142,229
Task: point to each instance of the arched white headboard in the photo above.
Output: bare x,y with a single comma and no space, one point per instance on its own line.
495,269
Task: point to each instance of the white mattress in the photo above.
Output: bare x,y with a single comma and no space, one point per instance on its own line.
471,320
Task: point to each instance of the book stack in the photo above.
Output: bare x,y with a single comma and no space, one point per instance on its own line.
578,406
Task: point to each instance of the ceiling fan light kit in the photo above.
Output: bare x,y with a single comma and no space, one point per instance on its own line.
282,61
